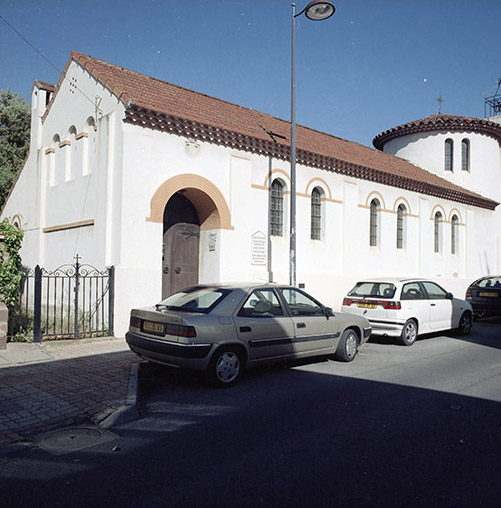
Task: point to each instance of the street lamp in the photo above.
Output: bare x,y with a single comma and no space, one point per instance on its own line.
316,10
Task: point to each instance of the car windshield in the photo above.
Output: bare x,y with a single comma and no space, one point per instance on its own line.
194,299
374,289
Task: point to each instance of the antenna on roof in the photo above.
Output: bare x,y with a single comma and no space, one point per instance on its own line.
493,102
440,100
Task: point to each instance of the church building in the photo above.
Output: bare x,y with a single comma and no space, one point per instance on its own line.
173,187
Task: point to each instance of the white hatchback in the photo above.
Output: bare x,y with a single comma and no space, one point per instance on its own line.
406,308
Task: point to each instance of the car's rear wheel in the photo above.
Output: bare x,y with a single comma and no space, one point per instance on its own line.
348,346
409,333
465,324
225,367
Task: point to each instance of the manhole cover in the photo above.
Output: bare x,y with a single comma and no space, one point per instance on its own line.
59,442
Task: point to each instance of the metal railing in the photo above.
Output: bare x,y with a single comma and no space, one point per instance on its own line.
73,301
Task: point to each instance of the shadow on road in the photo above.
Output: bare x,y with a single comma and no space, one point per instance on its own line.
282,437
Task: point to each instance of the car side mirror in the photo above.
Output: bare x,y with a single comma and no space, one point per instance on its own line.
449,296
328,312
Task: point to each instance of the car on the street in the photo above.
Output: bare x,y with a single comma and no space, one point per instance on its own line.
223,329
485,296
405,308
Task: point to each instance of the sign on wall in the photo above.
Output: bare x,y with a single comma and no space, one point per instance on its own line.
258,249
212,242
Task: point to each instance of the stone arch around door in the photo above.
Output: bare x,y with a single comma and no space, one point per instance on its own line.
186,205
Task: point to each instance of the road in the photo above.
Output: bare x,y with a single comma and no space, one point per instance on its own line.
401,426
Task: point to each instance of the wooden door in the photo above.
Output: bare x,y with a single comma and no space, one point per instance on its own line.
180,258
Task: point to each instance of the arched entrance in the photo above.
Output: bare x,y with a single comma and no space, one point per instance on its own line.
191,208
181,239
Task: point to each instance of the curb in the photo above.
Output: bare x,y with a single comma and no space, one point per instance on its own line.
130,410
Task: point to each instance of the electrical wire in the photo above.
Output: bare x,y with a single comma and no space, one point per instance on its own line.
40,53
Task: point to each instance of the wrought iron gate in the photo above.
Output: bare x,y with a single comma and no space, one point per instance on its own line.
73,301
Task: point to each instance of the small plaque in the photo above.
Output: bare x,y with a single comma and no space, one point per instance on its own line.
258,249
212,242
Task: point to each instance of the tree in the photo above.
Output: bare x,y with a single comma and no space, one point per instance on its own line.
15,123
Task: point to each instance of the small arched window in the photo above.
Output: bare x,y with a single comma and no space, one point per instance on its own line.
465,154
374,223
56,163
401,226
438,232
316,214
277,208
89,147
449,151
454,234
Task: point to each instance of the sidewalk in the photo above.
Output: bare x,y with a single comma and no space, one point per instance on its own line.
60,383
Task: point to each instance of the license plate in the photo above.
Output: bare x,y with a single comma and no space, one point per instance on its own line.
487,293
157,328
367,305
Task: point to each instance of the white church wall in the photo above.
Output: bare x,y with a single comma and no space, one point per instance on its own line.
427,151
26,211
76,169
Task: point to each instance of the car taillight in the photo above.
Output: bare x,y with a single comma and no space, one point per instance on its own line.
181,330
390,305
468,295
386,304
135,322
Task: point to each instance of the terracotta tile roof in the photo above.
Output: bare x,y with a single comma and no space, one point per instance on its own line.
45,86
157,104
440,123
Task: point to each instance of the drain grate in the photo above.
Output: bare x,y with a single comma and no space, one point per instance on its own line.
59,442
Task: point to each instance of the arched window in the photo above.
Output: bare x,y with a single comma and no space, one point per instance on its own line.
401,226
55,162
454,234
316,214
70,156
89,147
17,221
374,223
438,232
465,154
449,149
277,208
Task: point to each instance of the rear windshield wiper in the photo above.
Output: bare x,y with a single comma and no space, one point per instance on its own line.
182,308
168,307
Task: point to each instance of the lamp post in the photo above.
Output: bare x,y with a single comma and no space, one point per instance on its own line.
316,10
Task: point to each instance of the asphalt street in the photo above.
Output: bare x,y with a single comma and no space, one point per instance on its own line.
412,426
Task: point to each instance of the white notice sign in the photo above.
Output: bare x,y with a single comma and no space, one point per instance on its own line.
258,249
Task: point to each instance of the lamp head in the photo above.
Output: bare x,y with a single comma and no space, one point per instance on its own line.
318,10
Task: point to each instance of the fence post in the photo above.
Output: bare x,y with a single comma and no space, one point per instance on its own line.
37,311
111,301
77,283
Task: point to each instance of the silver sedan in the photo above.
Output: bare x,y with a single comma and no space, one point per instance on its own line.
222,329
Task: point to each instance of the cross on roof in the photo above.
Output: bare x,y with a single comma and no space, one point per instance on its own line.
440,100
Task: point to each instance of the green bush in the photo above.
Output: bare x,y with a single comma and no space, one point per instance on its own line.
10,264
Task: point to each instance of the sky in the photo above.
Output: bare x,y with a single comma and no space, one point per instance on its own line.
374,65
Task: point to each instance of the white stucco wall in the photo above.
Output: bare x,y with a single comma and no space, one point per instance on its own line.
427,151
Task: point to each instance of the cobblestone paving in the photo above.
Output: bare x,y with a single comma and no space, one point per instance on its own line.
69,383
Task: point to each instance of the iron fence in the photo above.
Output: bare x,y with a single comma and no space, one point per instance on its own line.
73,301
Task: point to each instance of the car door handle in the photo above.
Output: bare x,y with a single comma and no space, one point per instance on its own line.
301,325
245,329
433,304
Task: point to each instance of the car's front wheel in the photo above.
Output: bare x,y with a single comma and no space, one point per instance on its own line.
409,333
225,367
347,347
465,324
